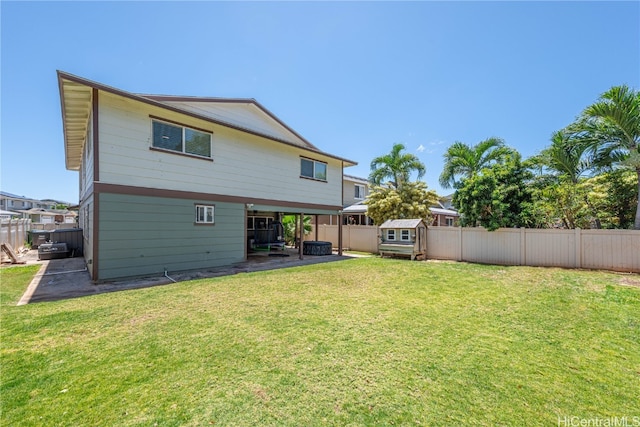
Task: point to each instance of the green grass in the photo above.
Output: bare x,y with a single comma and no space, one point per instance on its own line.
367,341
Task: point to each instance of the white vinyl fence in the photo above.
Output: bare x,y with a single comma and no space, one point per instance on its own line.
14,232
617,250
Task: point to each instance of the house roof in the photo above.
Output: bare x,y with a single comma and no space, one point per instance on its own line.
439,211
401,223
12,196
356,179
356,208
361,208
49,212
76,95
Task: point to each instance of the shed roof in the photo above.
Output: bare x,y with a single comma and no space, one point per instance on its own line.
402,223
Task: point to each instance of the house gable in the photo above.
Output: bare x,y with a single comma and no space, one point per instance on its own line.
243,113
77,93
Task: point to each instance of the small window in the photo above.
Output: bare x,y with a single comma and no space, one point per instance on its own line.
250,225
182,139
204,214
449,221
405,236
313,169
391,234
359,195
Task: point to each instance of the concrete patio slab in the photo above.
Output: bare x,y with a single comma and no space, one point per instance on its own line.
67,278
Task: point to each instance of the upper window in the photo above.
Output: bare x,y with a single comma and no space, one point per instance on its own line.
181,139
204,214
391,234
404,235
359,192
313,169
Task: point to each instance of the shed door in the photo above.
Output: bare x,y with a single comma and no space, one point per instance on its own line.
422,239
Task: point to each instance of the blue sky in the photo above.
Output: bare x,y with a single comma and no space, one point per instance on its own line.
353,78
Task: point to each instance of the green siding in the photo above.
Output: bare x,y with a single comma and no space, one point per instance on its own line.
146,235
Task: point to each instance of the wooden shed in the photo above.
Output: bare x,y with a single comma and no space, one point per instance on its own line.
403,237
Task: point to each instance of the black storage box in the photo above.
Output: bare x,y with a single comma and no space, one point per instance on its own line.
53,251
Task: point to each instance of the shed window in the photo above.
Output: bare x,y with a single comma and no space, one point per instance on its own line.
182,139
391,234
204,214
405,235
313,169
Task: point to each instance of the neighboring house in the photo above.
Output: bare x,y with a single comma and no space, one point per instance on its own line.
173,183
354,191
50,216
355,211
15,203
8,214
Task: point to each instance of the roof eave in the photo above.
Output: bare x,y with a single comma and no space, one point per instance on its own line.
149,100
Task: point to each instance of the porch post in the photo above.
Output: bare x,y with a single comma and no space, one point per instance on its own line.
340,233
300,255
316,225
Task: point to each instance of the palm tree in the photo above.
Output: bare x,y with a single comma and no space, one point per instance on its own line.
565,161
566,158
611,126
396,166
462,160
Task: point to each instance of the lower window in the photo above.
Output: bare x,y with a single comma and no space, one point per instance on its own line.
204,214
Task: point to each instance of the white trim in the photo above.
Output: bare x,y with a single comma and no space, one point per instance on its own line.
205,218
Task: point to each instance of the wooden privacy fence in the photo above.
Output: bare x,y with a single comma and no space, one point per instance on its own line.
617,250
14,232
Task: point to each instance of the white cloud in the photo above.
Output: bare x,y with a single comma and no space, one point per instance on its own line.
420,149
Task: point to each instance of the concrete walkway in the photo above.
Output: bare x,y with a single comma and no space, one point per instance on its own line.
66,278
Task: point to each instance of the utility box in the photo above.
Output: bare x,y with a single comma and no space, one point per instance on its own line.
403,237
53,251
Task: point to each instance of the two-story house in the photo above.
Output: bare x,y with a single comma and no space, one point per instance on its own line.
172,183
15,203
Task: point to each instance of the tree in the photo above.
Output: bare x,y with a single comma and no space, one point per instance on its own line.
566,158
290,224
497,197
611,128
397,166
412,200
464,161
560,193
614,195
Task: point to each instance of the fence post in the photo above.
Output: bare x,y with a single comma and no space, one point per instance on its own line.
13,232
523,246
460,244
578,246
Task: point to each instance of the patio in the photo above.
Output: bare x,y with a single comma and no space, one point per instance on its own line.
66,278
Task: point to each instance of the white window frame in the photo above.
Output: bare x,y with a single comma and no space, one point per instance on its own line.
391,234
184,130
315,169
205,217
405,235
359,195
449,221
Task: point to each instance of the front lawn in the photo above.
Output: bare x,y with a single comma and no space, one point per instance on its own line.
366,341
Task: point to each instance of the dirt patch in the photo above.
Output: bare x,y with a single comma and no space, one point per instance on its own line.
630,281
